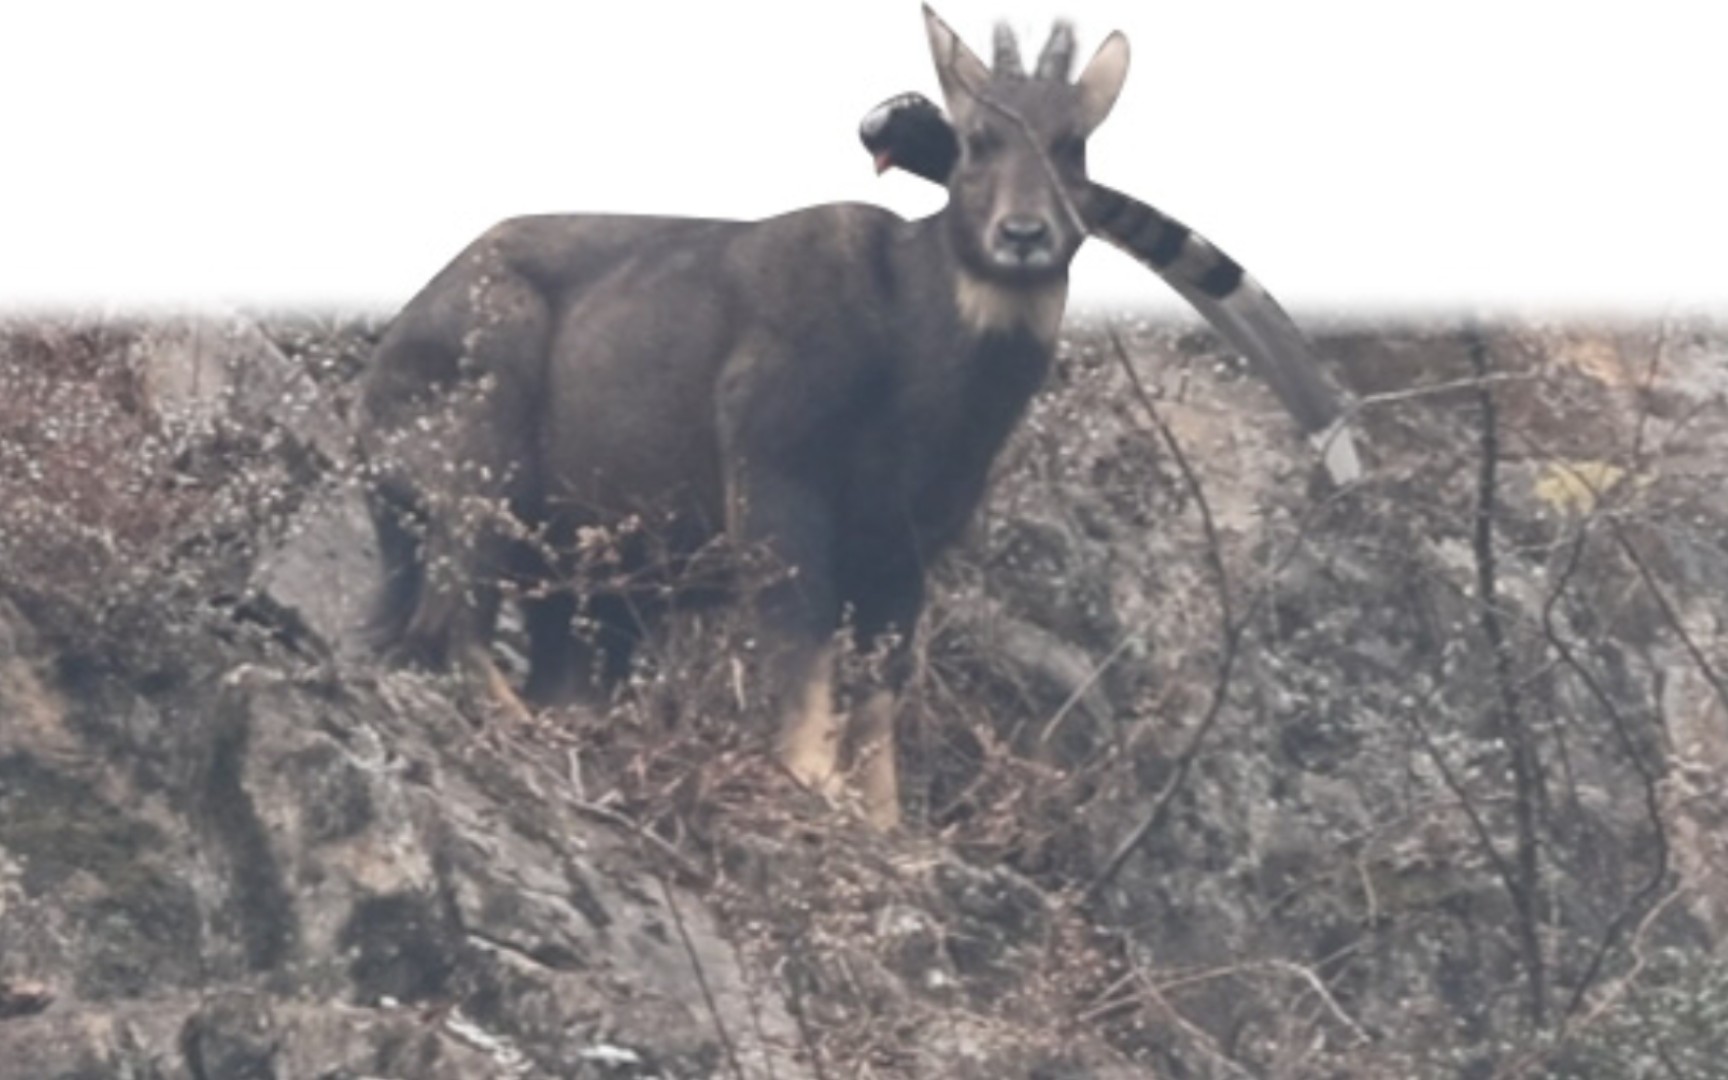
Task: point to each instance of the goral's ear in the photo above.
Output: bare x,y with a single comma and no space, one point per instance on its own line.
962,74
1101,82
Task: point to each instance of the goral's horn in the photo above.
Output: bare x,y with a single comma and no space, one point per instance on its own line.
1006,62
1057,59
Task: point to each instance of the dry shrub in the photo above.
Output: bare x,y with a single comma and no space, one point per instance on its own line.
124,522
86,470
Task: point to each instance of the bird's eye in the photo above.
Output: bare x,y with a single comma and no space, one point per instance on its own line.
1068,153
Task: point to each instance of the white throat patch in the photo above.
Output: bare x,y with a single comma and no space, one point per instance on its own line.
986,306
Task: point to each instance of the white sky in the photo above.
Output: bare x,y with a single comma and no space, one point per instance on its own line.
1351,154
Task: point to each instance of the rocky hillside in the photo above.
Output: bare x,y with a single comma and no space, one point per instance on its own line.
1212,771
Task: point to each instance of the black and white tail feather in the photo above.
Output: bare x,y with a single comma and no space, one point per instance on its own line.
910,132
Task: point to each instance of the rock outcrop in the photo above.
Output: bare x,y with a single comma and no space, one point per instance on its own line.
1211,771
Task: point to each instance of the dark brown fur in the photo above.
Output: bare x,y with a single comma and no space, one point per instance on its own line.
829,387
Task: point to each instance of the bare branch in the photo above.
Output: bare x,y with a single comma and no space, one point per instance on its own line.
1513,725
1390,397
691,872
1324,993
1454,784
755,1011
1644,897
701,978
795,1005
1230,633
1672,616
1615,991
1651,369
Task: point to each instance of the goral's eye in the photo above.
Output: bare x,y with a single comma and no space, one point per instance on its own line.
1068,153
982,142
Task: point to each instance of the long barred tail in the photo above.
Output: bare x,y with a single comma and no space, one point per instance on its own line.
909,131
1239,309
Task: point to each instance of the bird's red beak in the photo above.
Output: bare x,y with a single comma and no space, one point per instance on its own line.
884,162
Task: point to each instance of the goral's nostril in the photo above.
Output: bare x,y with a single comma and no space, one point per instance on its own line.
1024,231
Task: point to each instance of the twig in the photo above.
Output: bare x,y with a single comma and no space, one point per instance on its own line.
1229,630
692,873
1639,960
1652,798
1526,768
1324,993
1615,991
755,1009
1668,613
1197,1034
701,977
1478,824
1392,397
795,1003
1257,597
1650,370
1085,686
